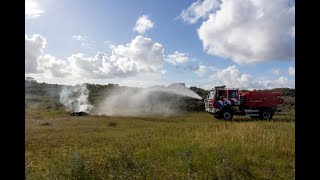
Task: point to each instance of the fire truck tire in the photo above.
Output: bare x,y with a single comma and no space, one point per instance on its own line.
266,115
227,115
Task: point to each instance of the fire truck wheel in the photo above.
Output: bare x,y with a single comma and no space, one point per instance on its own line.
227,115
266,115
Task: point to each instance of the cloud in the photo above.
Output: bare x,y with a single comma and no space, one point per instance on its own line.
293,32
246,31
141,55
233,78
32,9
33,49
51,65
201,70
79,37
281,82
101,67
37,62
276,71
143,24
109,44
84,41
147,54
177,58
291,71
199,9
87,45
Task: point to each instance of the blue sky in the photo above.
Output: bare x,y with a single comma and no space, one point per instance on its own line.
201,43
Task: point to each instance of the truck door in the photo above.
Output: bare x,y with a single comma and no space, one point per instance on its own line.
220,99
233,97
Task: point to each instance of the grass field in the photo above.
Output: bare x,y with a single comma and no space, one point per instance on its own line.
186,146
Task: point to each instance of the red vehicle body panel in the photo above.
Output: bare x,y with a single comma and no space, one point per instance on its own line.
262,99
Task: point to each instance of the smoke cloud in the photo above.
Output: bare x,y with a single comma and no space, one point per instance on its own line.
75,98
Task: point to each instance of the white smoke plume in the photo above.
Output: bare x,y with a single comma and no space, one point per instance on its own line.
142,102
75,98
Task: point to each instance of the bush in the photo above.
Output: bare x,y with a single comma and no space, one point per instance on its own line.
112,124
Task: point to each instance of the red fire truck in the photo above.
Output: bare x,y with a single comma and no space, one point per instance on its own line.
224,102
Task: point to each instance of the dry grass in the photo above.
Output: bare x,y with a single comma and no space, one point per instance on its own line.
187,146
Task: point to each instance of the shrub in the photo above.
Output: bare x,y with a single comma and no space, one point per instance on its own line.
112,124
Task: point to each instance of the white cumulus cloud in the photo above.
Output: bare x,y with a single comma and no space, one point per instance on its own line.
247,31
291,71
143,51
143,24
199,9
177,58
32,9
233,78
141,55
37,62
50,65
102,67
33,49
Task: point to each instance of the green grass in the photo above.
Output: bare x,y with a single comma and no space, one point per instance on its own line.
187,146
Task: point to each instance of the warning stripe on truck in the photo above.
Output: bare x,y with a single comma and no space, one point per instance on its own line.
230,101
